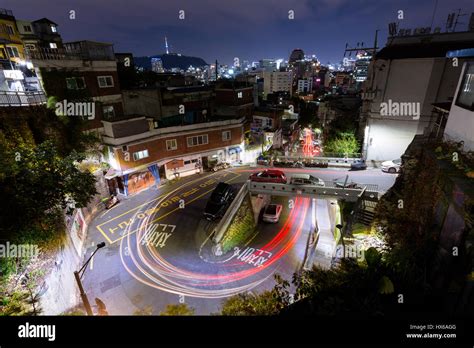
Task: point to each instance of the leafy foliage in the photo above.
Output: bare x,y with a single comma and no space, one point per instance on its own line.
177,309
241,228
343,143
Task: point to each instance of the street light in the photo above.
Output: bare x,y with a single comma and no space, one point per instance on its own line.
78,275
340,227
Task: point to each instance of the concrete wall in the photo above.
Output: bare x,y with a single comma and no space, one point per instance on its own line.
62,292
420,80
145,102
388,139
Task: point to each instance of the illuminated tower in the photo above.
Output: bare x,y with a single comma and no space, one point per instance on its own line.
166,45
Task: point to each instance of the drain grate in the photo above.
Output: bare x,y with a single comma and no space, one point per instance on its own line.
110,283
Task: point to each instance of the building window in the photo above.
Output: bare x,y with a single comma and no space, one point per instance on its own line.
105,81
75,83
140,155
10,30
13,52
465,97
108,112
226,136
27,29
171,145
30,47
53,29
197,140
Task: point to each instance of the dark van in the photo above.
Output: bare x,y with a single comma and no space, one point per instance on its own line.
219,201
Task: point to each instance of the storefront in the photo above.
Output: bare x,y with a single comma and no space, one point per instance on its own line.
134,182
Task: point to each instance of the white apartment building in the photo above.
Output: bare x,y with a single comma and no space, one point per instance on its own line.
407,76
305,85
460,124
276,81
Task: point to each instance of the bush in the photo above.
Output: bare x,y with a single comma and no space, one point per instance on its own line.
344,143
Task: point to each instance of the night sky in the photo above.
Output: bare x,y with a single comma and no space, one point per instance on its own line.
224,29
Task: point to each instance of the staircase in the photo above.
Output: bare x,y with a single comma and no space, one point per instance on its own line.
365,211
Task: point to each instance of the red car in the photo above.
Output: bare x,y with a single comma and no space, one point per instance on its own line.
269,175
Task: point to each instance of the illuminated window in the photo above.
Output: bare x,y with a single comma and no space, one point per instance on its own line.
13,52
105,81
54,29
140,155
75,83
171,145
108,112
226,136
53,45
197,140
10,30
465,98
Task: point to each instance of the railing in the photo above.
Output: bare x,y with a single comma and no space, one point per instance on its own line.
21,98
67,54
6,12
369,192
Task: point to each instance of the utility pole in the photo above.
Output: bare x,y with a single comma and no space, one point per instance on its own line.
84,298
217,74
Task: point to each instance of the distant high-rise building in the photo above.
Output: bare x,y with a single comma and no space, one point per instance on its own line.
361,67
268,64
157,65
276,81
305,85
296,55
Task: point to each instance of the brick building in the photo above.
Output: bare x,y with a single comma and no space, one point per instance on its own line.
141,155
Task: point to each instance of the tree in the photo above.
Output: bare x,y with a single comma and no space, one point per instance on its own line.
266,303
177,309
344,143
40,183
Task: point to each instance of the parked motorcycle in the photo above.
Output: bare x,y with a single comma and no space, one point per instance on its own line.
298,164
111,201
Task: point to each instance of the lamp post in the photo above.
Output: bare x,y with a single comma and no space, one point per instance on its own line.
340,228
78,275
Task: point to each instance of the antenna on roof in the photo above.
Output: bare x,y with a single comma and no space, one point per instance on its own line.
457,19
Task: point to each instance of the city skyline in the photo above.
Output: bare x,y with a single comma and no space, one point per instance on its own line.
234,31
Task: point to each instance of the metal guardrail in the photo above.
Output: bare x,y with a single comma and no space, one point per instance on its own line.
313,191
330,160
22,98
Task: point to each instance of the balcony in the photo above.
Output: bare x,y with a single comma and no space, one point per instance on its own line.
81,50
21,98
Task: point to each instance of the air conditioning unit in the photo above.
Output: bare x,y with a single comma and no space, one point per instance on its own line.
417,31
437,30
125,148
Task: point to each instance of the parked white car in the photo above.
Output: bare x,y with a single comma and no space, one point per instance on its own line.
272,213
392,166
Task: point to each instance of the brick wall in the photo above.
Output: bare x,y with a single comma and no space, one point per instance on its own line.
157,148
